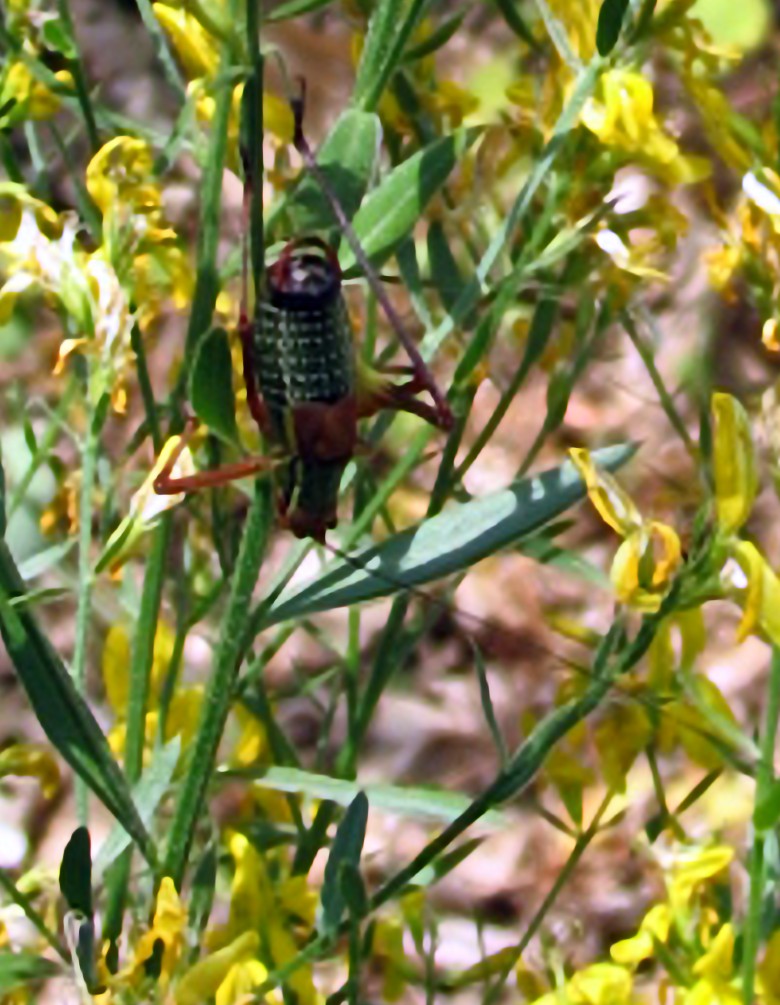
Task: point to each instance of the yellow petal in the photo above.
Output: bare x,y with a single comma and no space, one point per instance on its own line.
622,733
204,978
197,50
734,465
120,168
29,761
238,986
601,984
693,868
615,507
757,589
717,962
116,668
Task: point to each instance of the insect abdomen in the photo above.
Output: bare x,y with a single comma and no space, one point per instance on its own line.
303,349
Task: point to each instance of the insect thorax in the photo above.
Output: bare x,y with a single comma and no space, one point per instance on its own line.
303,347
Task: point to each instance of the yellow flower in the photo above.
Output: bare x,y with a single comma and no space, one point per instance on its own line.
654,928
650,554
721,264
598,984
620,114
230,974
146,506
769,335
31,761
116,664
197,50
748,577
387,953
734,466
168,928
29,99
622,733
769,971
449,103
715,970
693,868
119,173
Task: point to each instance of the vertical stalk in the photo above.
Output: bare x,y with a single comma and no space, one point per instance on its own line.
220,688
77,69
765,777
86,574
140,673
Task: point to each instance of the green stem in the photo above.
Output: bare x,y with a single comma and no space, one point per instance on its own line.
220,688
580,847
141,662
45,446
85,573
32,915
764,784
206,273
647,357
77,70
162,49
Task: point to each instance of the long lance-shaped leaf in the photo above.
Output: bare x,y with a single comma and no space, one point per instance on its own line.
391,210
348,158
63,714
443,545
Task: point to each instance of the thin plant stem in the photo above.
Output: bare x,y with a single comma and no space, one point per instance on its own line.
77,70
646,355
580,847
764,783
35,919
141,661
220,688
85,572
160,42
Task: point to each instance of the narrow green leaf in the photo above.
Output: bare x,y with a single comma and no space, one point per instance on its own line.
487,707
147,795
419,802
345,851
387,19
515,22
610,22
436,40
76,872
211,385
348,158
202,893
61,711
46,559
353,890
445,273
392,209
450,542
19,969
295,8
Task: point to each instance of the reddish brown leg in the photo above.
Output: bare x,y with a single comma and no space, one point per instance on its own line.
165,484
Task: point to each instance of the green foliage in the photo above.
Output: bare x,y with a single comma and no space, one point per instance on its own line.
240,862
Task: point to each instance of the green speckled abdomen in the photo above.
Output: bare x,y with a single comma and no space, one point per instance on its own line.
303,345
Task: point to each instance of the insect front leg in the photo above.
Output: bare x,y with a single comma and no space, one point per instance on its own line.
166,483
